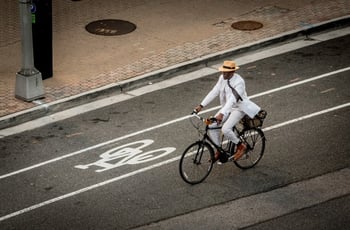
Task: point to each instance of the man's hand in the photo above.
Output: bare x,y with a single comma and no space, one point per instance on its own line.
219,118
198,108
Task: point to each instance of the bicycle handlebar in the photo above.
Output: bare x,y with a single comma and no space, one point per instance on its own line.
207,121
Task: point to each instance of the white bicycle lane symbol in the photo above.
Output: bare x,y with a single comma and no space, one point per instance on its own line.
126,154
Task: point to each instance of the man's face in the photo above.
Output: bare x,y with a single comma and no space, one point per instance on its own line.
227,75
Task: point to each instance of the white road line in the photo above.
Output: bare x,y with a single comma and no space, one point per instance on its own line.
87,189
36,206
242,59
301,82
333,73
306,117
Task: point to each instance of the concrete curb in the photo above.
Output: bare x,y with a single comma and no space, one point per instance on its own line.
117,88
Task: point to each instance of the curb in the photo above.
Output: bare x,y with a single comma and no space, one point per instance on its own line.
117,88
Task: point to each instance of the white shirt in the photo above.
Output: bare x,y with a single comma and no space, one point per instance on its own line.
227,99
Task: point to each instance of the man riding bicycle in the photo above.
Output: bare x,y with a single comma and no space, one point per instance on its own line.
234,105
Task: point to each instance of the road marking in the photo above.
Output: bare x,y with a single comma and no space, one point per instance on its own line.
306,117
36,206
327,90
128,154
333,73
301,82
244,59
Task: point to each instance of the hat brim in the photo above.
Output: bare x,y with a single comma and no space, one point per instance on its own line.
222,69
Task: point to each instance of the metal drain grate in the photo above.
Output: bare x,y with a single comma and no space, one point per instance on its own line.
247,25
110,27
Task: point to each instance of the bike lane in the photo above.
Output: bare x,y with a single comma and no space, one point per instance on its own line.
122,158
169,140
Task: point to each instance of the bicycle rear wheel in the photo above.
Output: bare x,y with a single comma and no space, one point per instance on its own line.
255,140
196,162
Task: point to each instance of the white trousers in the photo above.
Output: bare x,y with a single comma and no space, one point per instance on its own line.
228,122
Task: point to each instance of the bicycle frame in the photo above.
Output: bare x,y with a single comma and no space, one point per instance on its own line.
194,169
207,138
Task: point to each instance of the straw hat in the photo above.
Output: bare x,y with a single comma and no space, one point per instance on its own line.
228,66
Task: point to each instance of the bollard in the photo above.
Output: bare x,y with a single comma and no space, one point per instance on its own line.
29,85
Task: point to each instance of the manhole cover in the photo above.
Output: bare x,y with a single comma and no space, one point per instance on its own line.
110,27
247,25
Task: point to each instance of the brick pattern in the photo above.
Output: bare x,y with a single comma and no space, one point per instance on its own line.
275,20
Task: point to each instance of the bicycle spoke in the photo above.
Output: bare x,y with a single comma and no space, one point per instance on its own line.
255,141
196,163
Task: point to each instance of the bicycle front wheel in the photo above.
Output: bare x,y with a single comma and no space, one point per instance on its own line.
255,140
196,162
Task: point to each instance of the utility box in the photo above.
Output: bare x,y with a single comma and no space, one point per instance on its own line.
42,36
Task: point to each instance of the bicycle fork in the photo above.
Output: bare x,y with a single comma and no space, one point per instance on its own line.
198,155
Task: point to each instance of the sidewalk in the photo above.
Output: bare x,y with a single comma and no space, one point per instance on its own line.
171,37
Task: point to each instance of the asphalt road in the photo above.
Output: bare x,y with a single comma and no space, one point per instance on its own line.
117,167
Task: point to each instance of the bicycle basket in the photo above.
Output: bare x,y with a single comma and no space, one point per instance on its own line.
255,122
197,124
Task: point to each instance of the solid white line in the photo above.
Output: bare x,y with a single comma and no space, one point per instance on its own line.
153,166
87,189
301,82
93,147
306,117
333,73
244,59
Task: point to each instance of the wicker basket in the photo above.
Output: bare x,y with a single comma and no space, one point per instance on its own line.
255,122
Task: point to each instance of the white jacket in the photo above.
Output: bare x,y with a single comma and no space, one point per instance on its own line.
227,98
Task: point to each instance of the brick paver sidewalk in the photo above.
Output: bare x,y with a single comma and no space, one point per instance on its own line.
167,34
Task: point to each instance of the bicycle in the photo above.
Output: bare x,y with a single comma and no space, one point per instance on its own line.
198,158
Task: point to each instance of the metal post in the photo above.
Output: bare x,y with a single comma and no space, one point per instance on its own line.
29,84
